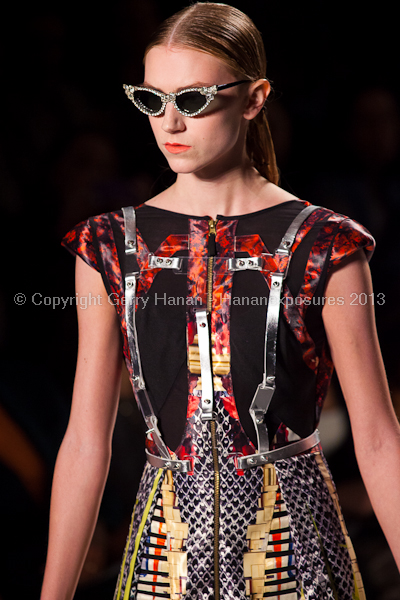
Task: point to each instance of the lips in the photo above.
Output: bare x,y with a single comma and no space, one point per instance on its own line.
176,148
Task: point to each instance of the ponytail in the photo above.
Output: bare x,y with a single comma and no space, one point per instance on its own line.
260,147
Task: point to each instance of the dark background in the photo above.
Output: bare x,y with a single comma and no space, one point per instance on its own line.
72,145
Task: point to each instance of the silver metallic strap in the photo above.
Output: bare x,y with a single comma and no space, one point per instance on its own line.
259,406
256,460
130,317
183,466
290,235
207,390
137,380
163,262
130,229
271,328
265,391
254,263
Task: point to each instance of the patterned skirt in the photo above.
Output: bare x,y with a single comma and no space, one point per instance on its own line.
280,533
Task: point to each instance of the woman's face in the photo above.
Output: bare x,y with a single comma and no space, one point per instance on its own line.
212,141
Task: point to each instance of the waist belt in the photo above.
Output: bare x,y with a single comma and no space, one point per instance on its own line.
298,447
246,462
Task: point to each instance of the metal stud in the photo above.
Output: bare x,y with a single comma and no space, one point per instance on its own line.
131,243
241,263
129,284
276,284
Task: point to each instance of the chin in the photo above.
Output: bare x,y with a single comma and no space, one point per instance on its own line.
180,170
181,166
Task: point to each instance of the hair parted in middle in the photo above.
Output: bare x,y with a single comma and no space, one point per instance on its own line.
230,35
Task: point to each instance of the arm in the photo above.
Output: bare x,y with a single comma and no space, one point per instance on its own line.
356,354
84,456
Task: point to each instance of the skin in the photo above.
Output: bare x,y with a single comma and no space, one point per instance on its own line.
214,177
355,350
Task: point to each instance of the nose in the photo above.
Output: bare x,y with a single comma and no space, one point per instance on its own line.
173,121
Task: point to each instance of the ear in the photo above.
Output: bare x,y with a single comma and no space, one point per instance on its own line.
257,95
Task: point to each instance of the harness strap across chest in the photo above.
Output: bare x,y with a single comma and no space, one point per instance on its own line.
138,384
265,389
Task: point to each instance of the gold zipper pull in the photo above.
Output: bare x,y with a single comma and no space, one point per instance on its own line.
212,227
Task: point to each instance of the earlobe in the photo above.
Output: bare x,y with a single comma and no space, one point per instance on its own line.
258,94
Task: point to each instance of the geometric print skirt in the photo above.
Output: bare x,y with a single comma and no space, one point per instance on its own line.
281,534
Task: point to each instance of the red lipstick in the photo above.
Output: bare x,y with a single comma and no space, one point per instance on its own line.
176,148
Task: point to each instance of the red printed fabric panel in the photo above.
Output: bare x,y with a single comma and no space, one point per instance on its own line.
171,245
196,298
220,335
316,262
112,269
197,265
222,279
79,241
220,315
254,246
294,309
351,237
347,237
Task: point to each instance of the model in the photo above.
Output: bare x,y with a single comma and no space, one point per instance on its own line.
234,299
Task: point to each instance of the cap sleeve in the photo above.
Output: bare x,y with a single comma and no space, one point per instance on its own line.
350,237
79,241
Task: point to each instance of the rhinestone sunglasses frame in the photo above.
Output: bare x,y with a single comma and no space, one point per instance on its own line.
208,92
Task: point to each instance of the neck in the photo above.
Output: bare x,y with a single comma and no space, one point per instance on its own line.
238,191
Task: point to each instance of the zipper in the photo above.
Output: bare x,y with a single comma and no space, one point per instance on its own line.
213,424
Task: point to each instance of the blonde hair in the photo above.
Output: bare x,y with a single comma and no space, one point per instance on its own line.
228,34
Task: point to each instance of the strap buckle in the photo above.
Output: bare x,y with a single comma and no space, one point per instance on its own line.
180,466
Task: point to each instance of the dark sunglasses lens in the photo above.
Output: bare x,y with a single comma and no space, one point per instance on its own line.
148,100
190,102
